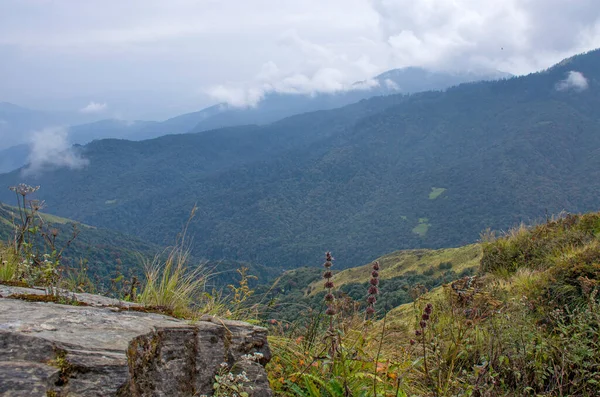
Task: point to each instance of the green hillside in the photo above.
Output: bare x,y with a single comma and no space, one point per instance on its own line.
525,324
107,253
361,181
431,263
401,271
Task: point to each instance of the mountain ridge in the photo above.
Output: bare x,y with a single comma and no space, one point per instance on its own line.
356,180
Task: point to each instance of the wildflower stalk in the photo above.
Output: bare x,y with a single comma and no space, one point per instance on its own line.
330,299
373,291
420,333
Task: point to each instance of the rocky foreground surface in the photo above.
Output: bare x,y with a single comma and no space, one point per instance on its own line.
107,349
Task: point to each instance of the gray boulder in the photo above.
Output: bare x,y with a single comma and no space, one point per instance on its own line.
49,349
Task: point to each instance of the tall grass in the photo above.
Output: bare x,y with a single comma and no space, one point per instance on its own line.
9,265
169,283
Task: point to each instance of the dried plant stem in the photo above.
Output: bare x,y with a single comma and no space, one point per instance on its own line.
378,355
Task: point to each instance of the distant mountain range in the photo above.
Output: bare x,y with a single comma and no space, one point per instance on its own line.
16,122
401,171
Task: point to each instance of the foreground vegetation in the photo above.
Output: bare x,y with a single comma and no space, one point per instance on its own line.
516,315
526,324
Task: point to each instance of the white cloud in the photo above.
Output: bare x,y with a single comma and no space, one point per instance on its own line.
50,148
325,80
236,96
575,81
93,107
391,85
364,85
517,36
321,70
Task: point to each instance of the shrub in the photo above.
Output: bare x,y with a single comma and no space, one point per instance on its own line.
445,266
429,272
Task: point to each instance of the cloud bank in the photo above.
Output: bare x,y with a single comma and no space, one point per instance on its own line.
50,148
237,51
515,36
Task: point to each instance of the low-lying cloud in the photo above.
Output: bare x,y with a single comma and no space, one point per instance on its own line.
322,72
50,148
94,107
324,81
575,81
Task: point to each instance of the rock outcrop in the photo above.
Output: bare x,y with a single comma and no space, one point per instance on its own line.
49,349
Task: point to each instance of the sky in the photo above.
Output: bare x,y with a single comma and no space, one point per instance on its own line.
152,59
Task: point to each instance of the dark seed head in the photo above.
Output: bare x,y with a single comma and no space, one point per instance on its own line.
329,298
329,284
371,299
327,274
330,311
423,324
370,310
375,273
373,290
425,316
374,281
375,265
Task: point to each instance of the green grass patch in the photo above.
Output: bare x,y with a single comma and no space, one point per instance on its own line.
436,192
421,229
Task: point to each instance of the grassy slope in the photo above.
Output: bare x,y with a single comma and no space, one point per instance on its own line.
10,212
526,324
401,263
299,290
555,264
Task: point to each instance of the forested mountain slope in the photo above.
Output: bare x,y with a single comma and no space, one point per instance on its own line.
427,170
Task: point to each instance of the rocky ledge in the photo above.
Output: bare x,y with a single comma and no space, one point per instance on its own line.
103,349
